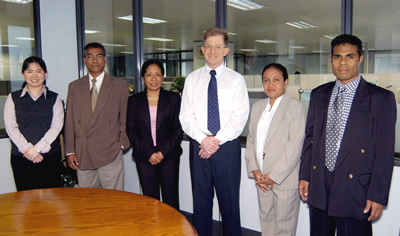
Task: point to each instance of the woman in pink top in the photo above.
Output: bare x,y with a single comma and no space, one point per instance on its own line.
155,133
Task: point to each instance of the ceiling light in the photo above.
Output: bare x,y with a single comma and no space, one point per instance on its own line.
147,20
159,39
113,45
8,46
297,47
244,5
265,41
330,36
301,25
318,51
167,49
91,31
19,1
248,50
25,38
125,52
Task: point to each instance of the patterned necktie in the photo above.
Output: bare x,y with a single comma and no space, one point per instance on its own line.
332,143
93,94
213,110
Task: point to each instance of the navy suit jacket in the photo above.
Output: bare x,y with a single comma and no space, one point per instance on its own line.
169,131
365,161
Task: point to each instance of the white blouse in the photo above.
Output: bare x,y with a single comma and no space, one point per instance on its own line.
263,127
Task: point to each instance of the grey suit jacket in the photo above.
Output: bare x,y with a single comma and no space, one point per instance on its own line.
96,138
283,144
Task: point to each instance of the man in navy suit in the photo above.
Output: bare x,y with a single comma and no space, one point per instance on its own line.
347,160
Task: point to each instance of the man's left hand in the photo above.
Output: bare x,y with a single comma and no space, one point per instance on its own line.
376,209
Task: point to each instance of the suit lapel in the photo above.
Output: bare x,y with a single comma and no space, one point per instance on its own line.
359,107
104,93
324,97
84,99
276,121
163,102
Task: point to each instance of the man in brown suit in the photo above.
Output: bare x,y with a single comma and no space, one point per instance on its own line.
95,135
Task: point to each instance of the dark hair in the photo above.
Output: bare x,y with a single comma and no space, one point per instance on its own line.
94,45
213,31
278,67
151,62
347,38
34,59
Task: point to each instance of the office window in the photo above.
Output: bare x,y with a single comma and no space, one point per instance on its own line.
17,42
110,22
175,29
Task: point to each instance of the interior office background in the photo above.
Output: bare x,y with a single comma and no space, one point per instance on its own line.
294,33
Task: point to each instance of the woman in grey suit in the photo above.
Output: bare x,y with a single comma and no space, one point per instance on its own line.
276,134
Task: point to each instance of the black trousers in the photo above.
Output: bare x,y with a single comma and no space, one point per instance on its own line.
164,175
222,171
324,225
29,175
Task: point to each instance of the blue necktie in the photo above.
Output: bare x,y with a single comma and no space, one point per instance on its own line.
213,110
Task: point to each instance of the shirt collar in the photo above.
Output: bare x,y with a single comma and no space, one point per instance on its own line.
352,86
218,70
43,91
99,79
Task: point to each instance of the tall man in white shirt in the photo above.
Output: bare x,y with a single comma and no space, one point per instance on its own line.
95,124
214,111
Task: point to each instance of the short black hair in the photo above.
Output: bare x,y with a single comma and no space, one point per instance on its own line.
94,45
151,62
347,38
34,59
278,67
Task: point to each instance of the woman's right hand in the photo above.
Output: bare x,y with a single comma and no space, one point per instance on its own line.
31,153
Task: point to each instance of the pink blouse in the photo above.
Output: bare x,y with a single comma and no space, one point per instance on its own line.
153,123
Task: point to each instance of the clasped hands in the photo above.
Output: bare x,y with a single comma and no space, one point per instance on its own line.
264,182
156,158
209,145
33,155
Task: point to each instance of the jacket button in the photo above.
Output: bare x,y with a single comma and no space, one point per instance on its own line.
362,151
314,167
350,176
312,141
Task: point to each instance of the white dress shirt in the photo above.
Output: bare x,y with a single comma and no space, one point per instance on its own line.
233,103
263,127
99,81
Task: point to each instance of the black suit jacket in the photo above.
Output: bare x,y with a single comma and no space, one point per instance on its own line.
169,131
365,161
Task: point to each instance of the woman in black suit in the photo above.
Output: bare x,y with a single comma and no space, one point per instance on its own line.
155,133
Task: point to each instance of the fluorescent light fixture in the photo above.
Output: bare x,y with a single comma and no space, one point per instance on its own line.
229,33
297,47
8,46
147,20
159,39
125,52
244,5
91,31
301,25
25,38
265,41
167,49
19,1
248,50
330,36
318,51
113,45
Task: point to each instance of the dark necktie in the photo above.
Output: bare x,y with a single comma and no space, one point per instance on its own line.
213,110
93,94
333,131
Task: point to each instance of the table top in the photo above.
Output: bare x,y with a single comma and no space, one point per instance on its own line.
88,211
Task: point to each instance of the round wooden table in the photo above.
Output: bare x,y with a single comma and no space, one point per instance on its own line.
84,211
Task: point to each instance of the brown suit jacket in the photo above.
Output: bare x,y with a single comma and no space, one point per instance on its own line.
282,148
96,138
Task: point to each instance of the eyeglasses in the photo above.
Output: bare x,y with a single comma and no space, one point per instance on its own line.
209,47
91,57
